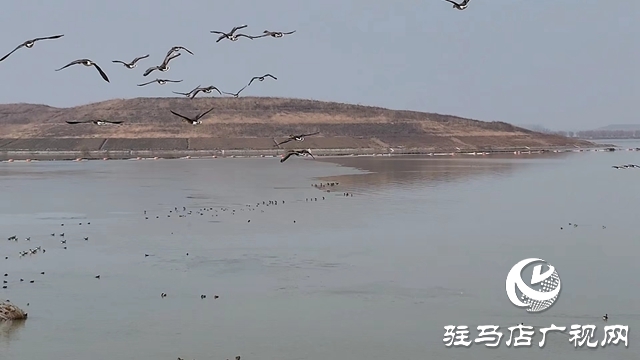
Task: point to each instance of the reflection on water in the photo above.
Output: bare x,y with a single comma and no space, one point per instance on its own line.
10,330
427,171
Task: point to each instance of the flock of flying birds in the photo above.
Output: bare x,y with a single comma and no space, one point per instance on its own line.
173,53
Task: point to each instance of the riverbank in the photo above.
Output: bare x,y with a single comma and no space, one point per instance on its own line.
11,155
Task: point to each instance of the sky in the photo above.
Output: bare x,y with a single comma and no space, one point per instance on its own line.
565,65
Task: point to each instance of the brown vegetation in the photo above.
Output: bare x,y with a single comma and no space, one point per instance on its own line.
8,312
251,123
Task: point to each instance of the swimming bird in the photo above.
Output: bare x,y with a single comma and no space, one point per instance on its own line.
133,62
96,122
87,62
194,120
463,5
206,90
296,138
29,44
296,153
274,34
187,94
160,81
261,78
230,35
605,317
175,49
162,67
235,94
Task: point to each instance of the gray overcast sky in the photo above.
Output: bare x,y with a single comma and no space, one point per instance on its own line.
565,64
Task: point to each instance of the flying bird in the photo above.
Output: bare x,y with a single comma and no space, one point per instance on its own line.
187,94
29,44
296,153
194,120
162,67
96,122
133,62
230,35
160,81
206,90
86,62
296,138
175,49
235,94
261,78
274,34
463,5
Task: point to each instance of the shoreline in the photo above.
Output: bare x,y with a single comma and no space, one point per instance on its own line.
56,155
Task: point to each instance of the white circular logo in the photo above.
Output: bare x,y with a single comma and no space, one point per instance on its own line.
535,300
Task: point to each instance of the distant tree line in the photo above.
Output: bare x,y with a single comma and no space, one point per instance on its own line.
590,134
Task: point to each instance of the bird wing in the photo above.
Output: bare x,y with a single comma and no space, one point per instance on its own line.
139,58
289,33
259,36
185,49
78,122
271,76
169,58
253,78
204,113
247,36
217,32
182,116
285,141
195,92
112,122
239,91
221,37
150,70
12,51
179,93
173,81
236,28
147,83
464,2
310,154
315,133
75,62
48,38
216,89
453,2
289,154
104,76
119,62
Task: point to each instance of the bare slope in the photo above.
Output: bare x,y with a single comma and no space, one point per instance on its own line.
252,122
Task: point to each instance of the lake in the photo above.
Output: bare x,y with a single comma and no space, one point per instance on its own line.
301,273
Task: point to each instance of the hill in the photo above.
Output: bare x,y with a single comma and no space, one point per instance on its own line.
252,123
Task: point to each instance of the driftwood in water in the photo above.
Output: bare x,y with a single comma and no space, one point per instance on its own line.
8,311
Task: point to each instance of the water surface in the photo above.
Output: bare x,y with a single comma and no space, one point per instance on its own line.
423,242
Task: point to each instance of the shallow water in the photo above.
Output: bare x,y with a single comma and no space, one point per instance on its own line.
423,242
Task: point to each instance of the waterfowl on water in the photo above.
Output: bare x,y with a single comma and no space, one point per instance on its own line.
194,120
605,317
162,67
96,122
29,44
131,64
261,78
461,6
86,62
230,35
236,94
296,153
274,34
160,81
295,138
